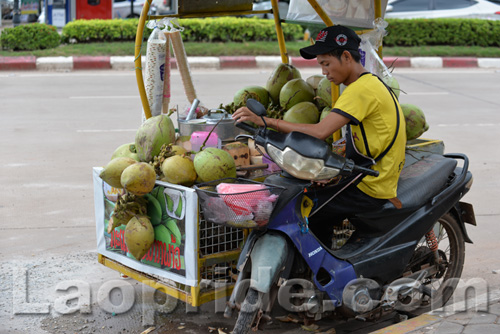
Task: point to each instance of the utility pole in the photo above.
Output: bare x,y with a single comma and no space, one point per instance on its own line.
16,18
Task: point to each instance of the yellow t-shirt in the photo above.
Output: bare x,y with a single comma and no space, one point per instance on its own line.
369,106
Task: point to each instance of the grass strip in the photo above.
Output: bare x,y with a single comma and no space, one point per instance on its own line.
247,49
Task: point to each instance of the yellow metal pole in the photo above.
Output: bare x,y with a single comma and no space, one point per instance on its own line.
378,14
138,61
321,12
279,32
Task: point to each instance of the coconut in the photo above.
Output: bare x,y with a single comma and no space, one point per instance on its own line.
325,112
303,112
213,164
152,134
324,94
178,150
139,236
295,91
178,169
126,150
139,178
415,121
112,172
314,80
255,92
280,76
393,84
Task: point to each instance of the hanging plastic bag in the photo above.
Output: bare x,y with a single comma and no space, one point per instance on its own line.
370,42
155,65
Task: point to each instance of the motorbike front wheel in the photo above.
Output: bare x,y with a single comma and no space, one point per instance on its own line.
248,312
451,254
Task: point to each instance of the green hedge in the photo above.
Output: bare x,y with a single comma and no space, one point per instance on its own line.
207,30
456,32
29,37
87,31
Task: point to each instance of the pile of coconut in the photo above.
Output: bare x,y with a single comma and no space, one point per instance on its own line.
291,98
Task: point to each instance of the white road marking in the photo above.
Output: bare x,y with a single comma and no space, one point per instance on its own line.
107,130
428,93
106,97
451,125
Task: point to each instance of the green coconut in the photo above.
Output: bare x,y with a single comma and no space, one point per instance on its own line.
213,164
112,172
139,236
303,112
280,76
152,134
295,91
393,84
325,112
126,150
178,169
139,178
415,121
324,94
258,93
314,80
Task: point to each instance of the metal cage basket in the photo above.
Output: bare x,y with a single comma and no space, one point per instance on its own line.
237,202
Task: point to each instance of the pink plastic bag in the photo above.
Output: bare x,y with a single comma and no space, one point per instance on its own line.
244,199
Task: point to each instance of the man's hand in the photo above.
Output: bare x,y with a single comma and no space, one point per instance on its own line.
244,114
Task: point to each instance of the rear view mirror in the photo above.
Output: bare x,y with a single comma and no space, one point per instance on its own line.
257,107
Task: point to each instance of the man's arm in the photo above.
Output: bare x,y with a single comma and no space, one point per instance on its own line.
321,130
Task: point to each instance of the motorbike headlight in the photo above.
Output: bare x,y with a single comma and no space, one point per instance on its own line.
299,166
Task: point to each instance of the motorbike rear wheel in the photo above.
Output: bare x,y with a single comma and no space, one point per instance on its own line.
248,312
451,256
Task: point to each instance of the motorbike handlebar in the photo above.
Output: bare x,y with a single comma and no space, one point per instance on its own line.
246,127
366,171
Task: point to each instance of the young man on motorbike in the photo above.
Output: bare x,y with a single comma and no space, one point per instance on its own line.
375,132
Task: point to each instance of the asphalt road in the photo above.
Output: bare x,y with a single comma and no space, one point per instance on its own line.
56,126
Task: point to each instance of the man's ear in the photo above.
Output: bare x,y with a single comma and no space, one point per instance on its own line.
346,55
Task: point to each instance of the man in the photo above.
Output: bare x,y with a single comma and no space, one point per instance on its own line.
376,131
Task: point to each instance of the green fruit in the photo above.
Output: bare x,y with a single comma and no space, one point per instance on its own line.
139,236
139,178
160,197
178,211
126,150
178,169
152,134
213,164
163,234
415,121
393,84
280,76
170,203
154,209
255,92
324,93
176,237
295,91
314,80
112,172
303,112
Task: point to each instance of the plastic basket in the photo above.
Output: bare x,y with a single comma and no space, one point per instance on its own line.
240,209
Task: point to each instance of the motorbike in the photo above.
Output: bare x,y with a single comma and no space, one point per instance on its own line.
395,259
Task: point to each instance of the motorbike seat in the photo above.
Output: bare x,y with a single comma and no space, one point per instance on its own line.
422,177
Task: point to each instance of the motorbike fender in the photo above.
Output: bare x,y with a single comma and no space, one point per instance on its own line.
268,257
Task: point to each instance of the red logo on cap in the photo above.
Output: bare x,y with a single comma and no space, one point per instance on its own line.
321,36
341,39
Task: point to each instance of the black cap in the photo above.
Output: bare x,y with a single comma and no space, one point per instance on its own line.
332,38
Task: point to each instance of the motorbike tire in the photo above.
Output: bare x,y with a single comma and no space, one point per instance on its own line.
248,312
452,250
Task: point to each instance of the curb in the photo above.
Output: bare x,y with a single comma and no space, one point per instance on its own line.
436,317
65,64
